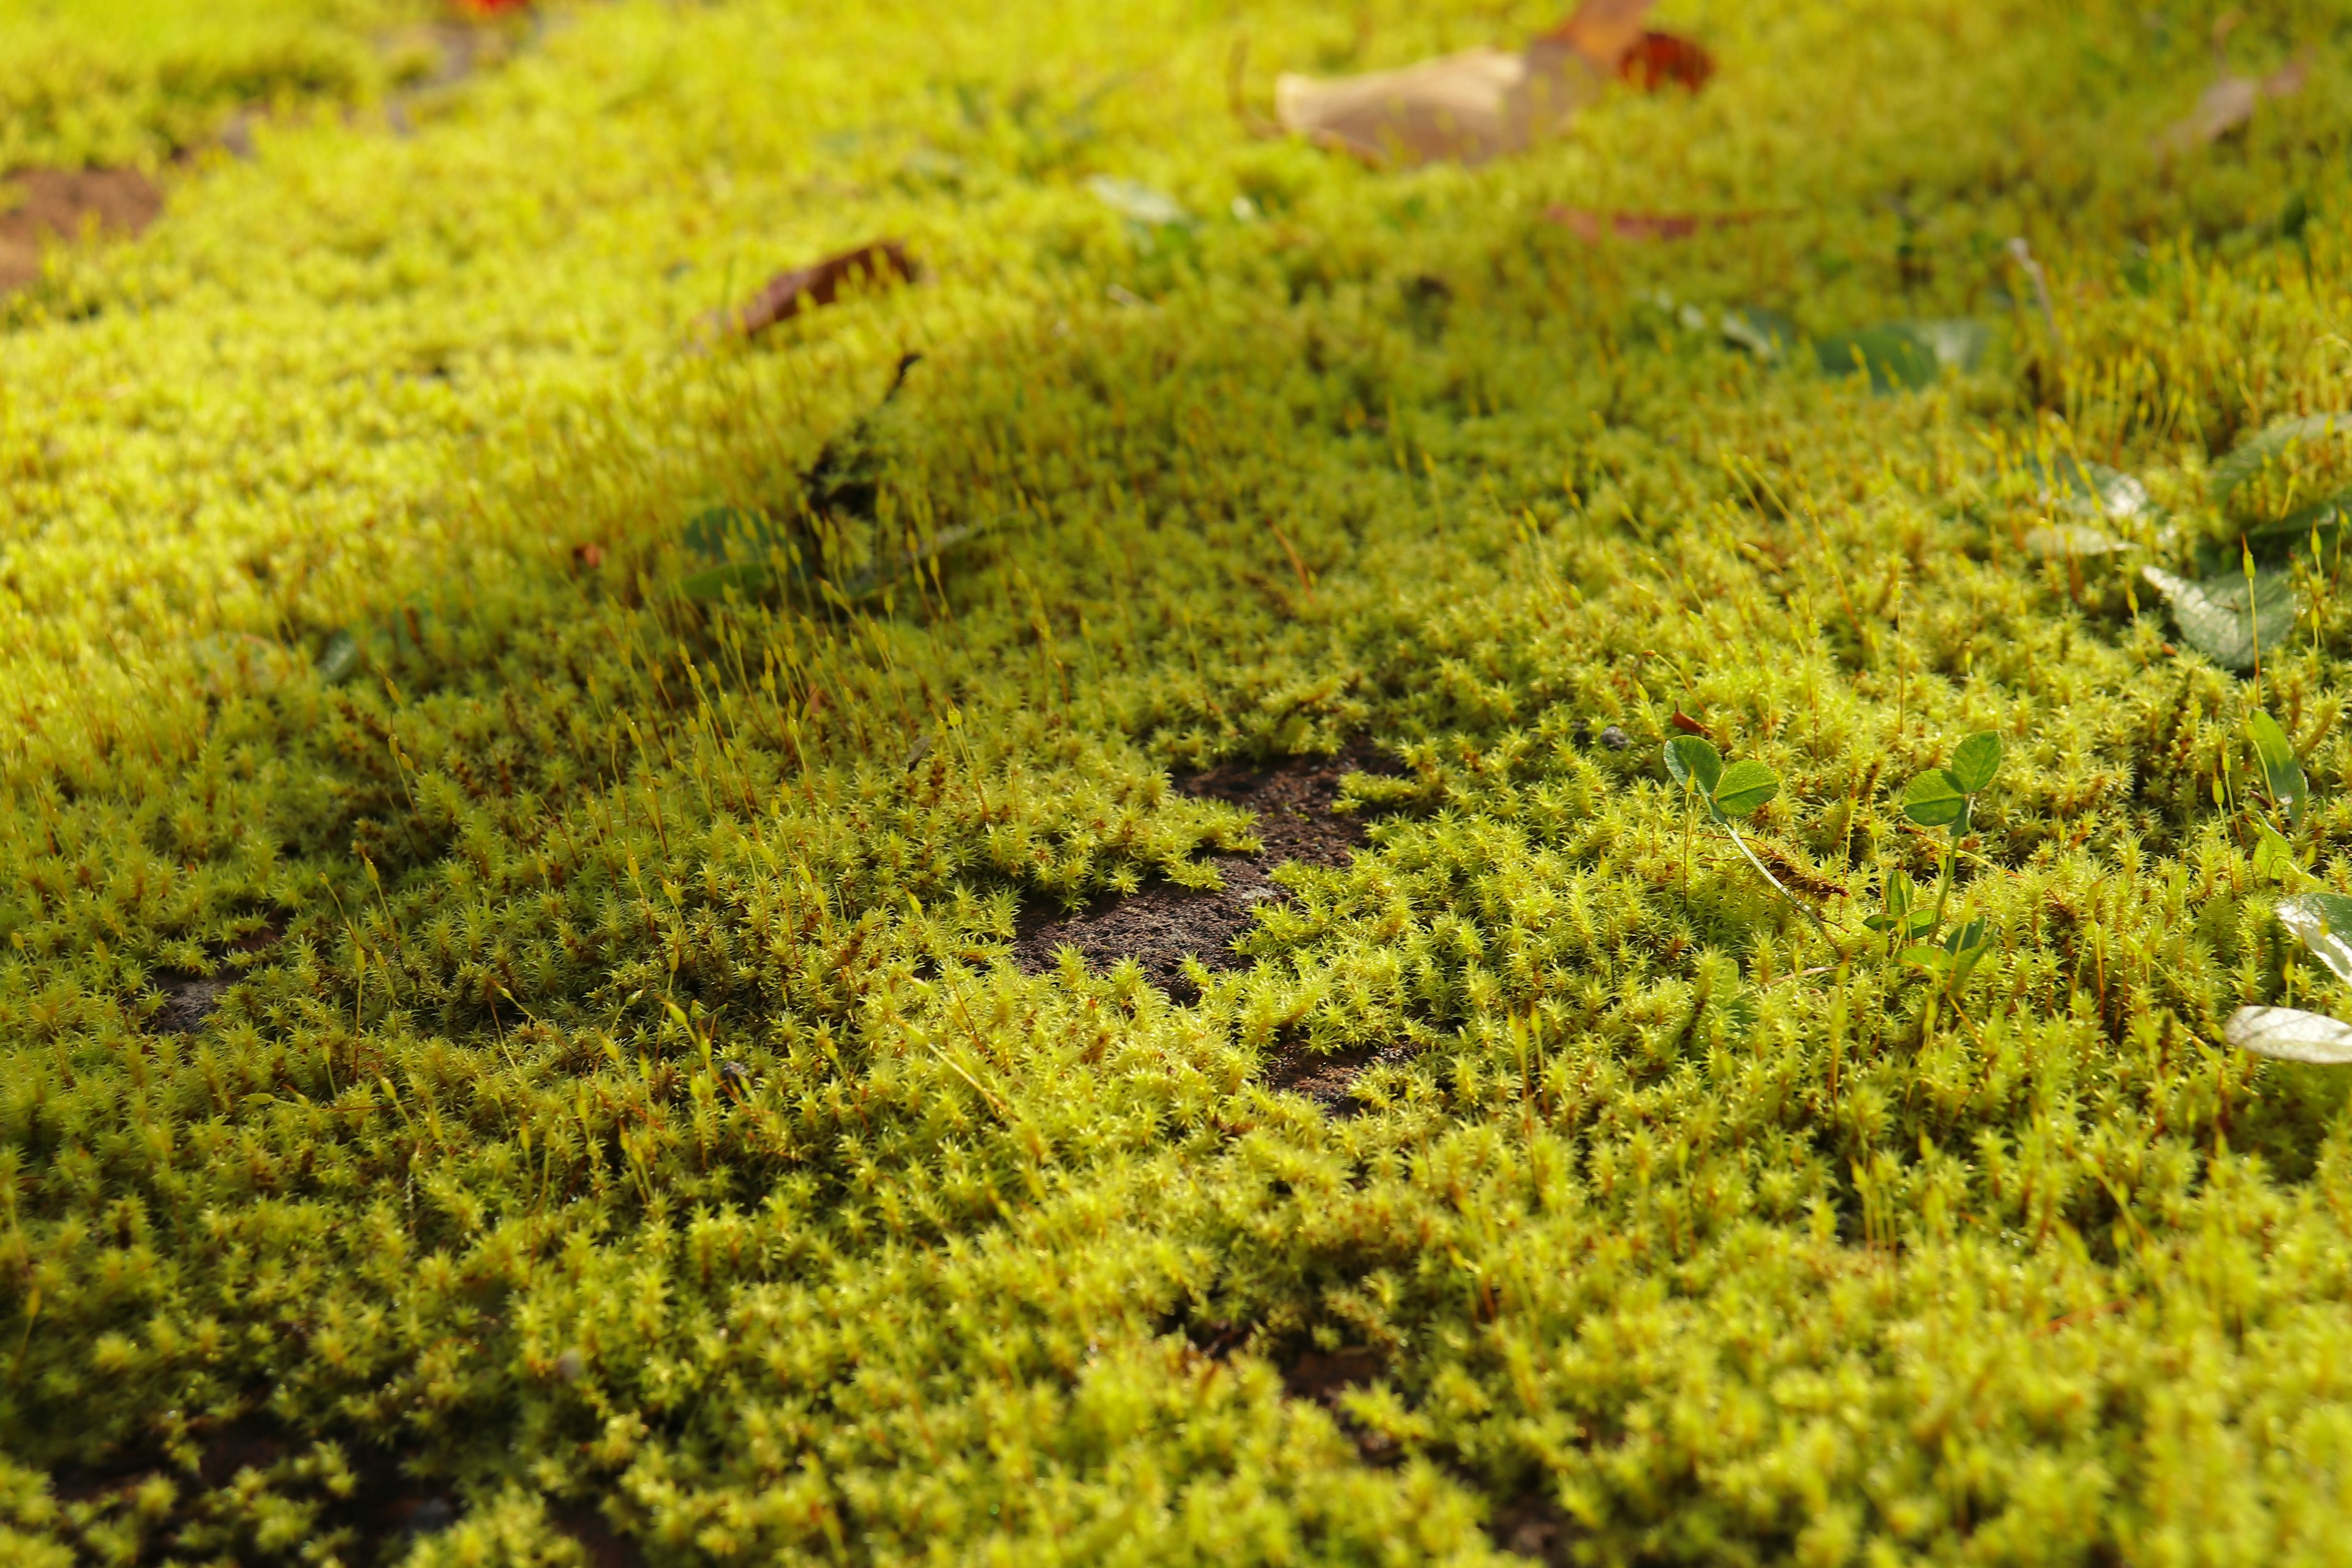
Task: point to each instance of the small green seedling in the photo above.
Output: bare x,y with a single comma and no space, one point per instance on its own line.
2290,796
1728,794
1942,797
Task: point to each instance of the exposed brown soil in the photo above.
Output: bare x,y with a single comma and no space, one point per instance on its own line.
58,205
188,1001
389,1510
1534,1527
1160,927
1327,1079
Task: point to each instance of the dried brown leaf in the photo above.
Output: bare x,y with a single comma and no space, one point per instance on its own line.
1662,60
2229,102
788,294
1602,31
1472,105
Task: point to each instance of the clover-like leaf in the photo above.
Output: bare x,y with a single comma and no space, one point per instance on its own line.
2290,1035
1976,760
1693,762
2322,922
1936,798
1745,786
2282,772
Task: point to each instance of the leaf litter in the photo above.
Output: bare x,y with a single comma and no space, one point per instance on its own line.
1485,103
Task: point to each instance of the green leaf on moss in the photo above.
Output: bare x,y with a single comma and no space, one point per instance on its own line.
1904,355
1936,798
1745,787
1693,761
2276,440
2322,922
1767,334
2222,617
2290,1035
1976,760
340,660
2282,773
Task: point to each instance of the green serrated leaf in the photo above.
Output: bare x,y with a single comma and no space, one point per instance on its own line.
2282,772
2275,441
2323,923
2223,616
1936,799
1976,760
1692,761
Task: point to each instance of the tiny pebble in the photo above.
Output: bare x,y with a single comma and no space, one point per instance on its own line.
736,1073
1615,738
571,1365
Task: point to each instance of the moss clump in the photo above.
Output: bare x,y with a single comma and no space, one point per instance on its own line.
493,1040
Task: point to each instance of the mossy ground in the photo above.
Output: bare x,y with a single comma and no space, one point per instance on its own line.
622,1123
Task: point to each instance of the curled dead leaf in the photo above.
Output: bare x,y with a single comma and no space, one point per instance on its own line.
788,294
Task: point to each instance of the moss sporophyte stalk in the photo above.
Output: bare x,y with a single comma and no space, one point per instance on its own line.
527,817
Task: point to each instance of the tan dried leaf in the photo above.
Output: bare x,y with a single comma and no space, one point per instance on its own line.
1473,106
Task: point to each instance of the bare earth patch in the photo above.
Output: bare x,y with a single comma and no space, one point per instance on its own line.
1160,926
41,207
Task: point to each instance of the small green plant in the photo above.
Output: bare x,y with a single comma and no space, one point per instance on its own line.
2290,795
1941,797
1728,793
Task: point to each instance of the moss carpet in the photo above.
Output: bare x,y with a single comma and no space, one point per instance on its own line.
518,813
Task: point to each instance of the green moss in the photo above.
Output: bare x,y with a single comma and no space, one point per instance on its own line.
621,1098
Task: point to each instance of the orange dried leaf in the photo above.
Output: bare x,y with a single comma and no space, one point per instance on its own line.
1662,60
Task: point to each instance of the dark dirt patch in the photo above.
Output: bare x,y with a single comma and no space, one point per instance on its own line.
1160,927
1323,1376
188,1001
1326,1079
605,1548
1534,1527
57,205
386,1512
